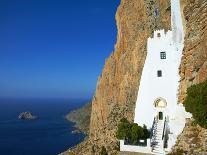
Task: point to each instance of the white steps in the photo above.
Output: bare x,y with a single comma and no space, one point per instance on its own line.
158,146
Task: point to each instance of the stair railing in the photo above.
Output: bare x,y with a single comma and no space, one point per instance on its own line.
153,132
164,131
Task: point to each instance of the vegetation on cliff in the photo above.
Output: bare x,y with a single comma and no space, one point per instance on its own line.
103,151
131,132
196,103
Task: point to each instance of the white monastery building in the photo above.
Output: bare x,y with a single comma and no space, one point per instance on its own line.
157,103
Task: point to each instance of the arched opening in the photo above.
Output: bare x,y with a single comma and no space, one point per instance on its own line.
160,103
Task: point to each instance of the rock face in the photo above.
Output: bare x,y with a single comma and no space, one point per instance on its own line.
118,84
193,140
81,117
193,69
27,116
117,87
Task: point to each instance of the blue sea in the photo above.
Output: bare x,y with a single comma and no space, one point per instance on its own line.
50,134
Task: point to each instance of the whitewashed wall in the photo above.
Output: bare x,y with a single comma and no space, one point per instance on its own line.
152,87
132,148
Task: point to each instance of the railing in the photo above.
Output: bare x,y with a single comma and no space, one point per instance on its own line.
153,127
153,130
165,134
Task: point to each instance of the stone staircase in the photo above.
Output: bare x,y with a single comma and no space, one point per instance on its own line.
158,147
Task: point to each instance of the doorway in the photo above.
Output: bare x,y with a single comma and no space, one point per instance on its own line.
160,115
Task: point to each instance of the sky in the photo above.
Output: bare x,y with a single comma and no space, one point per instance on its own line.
54,48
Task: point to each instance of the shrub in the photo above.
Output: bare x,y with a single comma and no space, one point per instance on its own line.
103,151
93,149
123,129
146,132
196,103
131,132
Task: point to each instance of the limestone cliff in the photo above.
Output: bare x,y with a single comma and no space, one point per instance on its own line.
81,117
117,87
118,84
193,69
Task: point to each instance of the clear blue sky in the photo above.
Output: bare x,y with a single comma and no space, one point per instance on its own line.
54,48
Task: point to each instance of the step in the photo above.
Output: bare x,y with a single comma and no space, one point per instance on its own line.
158,138
161,129
159,133
158,148
158,151
159,144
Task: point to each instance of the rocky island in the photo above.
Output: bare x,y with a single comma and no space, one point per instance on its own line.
27,116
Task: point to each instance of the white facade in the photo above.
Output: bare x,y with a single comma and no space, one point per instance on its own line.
157,96
153,87
133,148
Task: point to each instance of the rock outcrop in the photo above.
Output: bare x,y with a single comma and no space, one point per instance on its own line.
117,87
81,118
118,84
193,140
193,69
27,116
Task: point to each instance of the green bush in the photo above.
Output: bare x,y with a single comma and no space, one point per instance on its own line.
146,132
103,151
123,129
131,132
196,103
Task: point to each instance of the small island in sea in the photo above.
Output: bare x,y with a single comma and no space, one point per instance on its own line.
27,116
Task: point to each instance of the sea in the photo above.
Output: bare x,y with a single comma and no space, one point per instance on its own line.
50,134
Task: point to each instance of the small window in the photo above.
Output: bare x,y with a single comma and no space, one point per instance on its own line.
159,73
162,55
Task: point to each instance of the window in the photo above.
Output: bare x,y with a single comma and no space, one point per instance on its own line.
162,55
159,73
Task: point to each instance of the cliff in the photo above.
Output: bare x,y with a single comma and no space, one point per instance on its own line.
193,69
81,117
117,86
